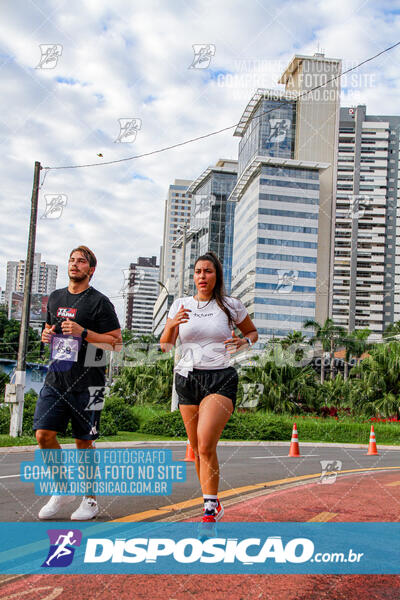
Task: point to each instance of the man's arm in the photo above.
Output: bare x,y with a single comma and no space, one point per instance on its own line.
111,340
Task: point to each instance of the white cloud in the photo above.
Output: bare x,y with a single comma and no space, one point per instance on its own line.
132,61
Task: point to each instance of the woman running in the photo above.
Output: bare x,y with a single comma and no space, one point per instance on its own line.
205,383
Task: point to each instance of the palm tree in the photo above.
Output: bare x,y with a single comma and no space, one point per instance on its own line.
356,344
296,339
392,330
329,335
285,387
378,389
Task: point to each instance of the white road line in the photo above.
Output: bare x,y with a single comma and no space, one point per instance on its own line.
284,456
7,476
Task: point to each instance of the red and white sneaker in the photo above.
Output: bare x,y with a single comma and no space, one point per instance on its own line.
218,512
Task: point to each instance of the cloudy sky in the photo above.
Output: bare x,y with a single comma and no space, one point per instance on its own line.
130,60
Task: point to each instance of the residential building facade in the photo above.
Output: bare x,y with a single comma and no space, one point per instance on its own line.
367,231
44,277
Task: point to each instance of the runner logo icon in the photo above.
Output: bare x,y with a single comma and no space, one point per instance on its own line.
61,551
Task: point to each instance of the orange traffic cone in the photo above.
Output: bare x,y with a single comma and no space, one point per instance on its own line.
372,449
294,444
189,453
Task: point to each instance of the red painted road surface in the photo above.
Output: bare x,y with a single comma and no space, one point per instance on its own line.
369,496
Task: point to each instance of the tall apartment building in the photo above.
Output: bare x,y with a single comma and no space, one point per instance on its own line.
141,293
176,214
211,220
284,219
44,277
367,234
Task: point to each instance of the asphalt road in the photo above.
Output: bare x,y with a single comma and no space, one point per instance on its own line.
240,465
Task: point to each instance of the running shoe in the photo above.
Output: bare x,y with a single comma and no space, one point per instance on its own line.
218,511
54,505
87,510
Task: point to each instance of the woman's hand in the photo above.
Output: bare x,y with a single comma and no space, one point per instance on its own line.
234,343
180,317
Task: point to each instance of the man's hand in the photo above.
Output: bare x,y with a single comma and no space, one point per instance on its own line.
71,328
47,333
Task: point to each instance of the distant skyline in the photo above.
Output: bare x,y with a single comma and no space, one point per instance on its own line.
126,80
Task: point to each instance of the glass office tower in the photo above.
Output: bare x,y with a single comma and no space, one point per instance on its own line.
211,220
284,225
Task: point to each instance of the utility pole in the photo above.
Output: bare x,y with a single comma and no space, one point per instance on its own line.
15,392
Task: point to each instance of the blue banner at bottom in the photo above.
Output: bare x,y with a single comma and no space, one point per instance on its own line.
224,548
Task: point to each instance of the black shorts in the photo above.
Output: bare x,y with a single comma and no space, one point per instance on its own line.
54,409
201,382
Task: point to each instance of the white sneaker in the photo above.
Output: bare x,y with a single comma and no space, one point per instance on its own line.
54,505
88,509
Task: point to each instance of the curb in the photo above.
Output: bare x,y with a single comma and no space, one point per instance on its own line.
155,443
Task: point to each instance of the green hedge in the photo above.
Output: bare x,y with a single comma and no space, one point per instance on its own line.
239,427
270,427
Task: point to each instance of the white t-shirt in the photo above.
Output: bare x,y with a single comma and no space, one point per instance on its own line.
203,335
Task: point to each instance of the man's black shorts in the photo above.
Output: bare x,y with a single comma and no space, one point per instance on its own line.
54,409
201,382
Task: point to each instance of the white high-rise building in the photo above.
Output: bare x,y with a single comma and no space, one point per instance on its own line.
176,214
141,295
44,277
367,235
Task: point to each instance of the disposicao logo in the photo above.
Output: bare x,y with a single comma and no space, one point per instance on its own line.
190,550
61,551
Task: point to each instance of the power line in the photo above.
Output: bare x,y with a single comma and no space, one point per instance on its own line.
202,137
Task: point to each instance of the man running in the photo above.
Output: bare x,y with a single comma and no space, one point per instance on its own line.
81,323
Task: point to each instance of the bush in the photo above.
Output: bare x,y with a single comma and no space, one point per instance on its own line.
121,413
107,424
166,424
242,426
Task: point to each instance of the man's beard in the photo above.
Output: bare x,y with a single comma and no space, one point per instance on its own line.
78,277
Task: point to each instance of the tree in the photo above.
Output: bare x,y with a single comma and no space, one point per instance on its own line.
286,388
392,331
296,339
377,392
9,336
329,335
356,344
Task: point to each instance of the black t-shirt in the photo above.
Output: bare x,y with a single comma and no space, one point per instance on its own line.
92,310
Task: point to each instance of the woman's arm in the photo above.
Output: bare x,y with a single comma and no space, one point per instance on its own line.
248,329
171,329
169,335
